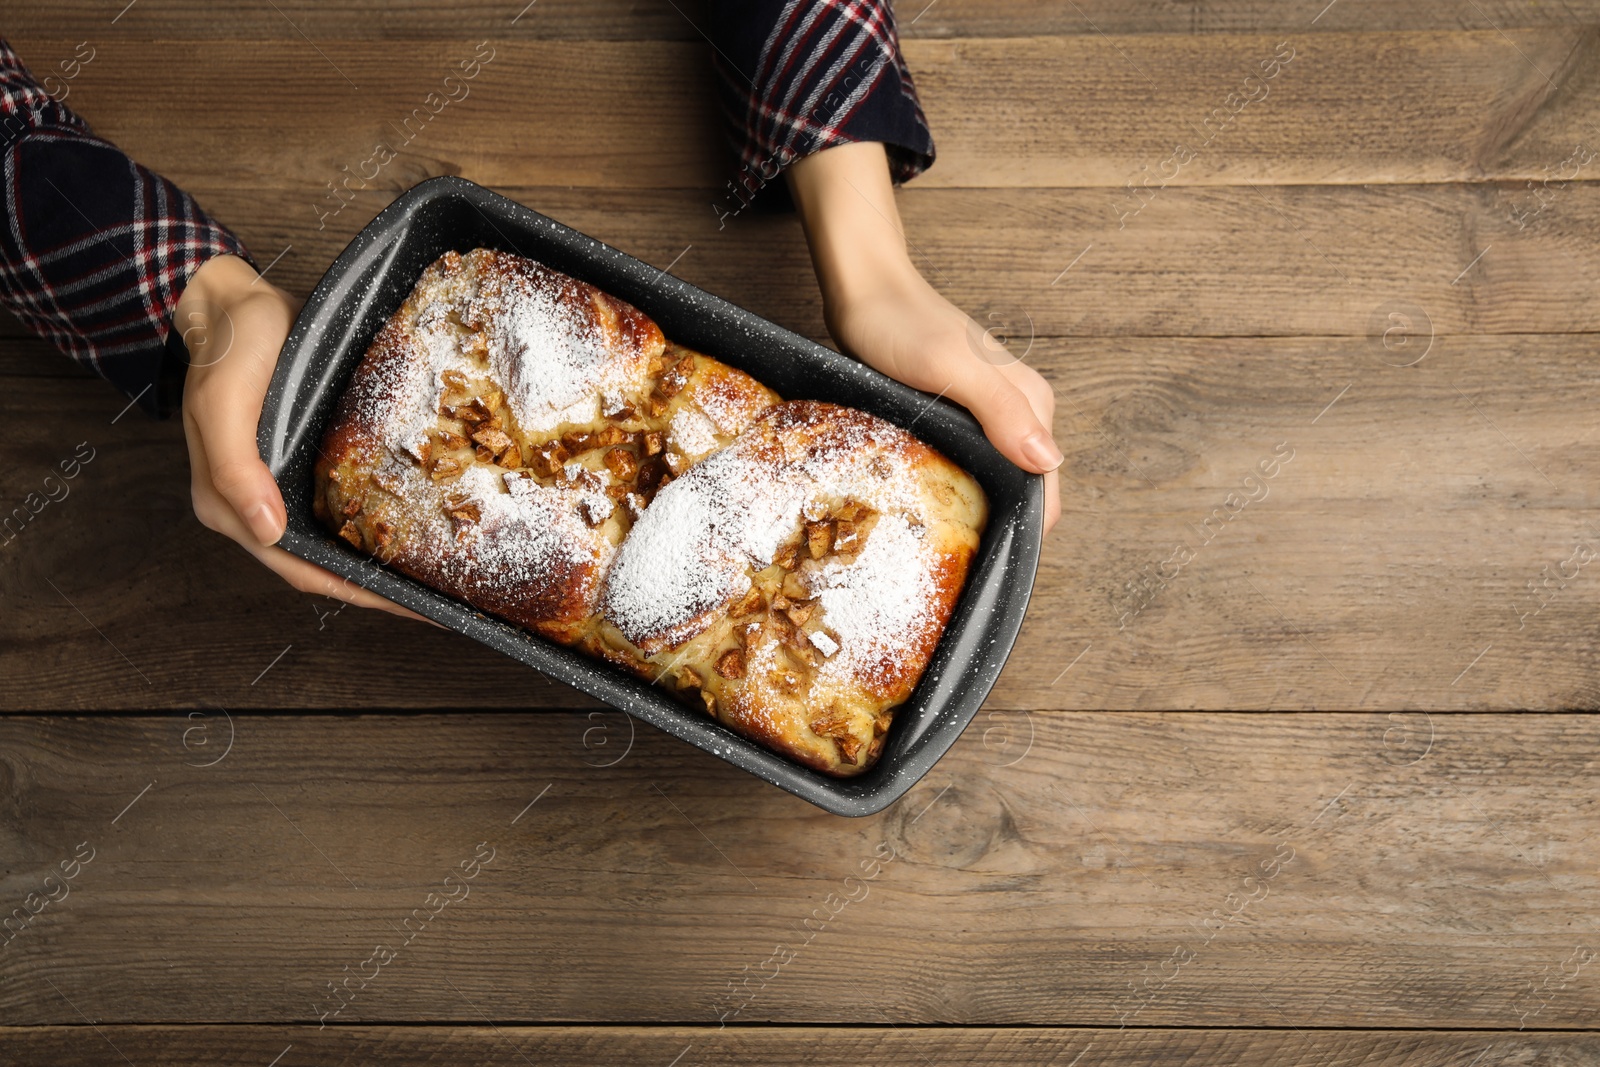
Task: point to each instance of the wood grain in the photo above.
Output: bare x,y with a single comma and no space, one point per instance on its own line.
1235,261
1381,268
559,1046
1396,545
1347,108
1430,871
685,19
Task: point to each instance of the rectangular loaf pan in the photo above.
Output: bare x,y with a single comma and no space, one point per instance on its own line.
373,276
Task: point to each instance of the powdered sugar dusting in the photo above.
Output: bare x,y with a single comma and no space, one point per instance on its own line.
824,644
693,549
690,551
729,408
402,398
692,432
877,605
526,531
549,352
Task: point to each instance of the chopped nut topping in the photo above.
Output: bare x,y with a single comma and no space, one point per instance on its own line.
844,536
688,678
790,636
750,603
781,603
352,533
352,507
622,463
654,442
421,451
618,490
853,511
787,557
800,613
443,467
656,406
789,681
794,587
837,727
497,443
652,473
467,413
577,441
548,458
675,379
676,463
710,702
452,440
819,538
464,513
489,403
593,512
455,379
387,481
611,435
731,664
382,535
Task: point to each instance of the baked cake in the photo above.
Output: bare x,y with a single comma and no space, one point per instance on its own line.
535,447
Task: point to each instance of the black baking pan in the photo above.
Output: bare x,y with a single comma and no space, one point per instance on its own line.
370,280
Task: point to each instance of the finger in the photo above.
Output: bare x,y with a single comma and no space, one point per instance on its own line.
226,410
1043,401
1008,418
310,578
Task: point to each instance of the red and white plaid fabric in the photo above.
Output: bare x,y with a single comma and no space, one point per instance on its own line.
95,250
798,76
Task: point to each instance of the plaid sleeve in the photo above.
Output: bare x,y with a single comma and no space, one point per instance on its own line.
798,76
95,250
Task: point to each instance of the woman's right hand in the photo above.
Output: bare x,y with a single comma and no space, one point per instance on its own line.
234,324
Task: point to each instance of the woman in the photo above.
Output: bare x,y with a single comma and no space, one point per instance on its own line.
125,273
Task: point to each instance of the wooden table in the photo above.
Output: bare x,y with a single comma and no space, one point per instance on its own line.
1322,790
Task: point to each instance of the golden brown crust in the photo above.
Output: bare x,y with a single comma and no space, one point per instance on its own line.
520,440
800,579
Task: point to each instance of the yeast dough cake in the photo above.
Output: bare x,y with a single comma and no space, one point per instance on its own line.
535,447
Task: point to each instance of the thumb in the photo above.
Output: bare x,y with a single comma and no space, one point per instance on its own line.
1009,420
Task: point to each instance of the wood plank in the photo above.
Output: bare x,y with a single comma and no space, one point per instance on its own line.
1231,261
556,1046
1222,262
24,355
1063,111
121,545
630,20
1423,547
1358,870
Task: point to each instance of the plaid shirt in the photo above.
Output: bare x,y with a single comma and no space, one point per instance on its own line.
95,250
798,76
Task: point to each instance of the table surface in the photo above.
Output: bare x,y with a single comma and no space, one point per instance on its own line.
1321,792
